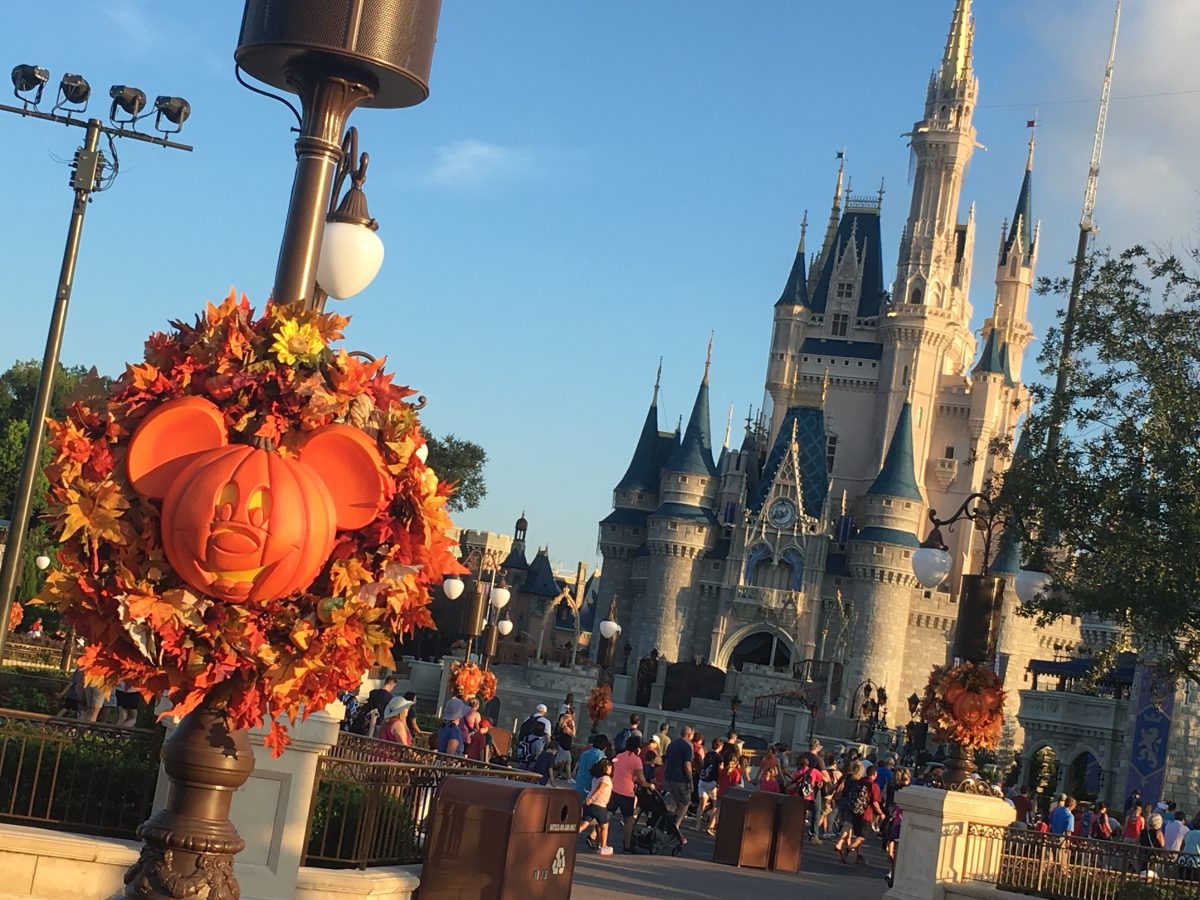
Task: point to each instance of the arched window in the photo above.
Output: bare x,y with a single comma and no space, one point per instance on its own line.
761,648
769,574
916,296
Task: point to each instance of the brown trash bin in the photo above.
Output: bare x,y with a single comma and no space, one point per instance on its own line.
491,839
791,824
745,828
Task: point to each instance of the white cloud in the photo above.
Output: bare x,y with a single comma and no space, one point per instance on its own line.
473,163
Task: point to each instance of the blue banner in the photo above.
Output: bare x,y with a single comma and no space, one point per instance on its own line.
1155,702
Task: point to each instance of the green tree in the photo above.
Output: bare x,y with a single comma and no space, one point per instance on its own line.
1112,510
460,462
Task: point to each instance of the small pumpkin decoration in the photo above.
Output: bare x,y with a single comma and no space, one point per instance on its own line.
964,704
245,524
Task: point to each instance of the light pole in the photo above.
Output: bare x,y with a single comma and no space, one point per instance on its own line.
87,177
478,561
981,601
336,55
610,630
498,598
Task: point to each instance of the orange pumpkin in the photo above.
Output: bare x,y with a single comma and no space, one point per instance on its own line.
244,524
968,707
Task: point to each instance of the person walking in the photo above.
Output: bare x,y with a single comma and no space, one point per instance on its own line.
595,805
728,777
862,803
627,774
632,730
588,758
1101,829
706,785
677,773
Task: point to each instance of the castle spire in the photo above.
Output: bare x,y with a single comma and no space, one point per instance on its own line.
956,60
693,456
898,477
728,426
708,357
642,474
835,211
1022,221
795,291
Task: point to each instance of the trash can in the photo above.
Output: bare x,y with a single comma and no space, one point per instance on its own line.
790,826
744,829
493,839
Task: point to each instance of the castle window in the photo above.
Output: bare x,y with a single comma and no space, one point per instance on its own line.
683,479
916,296
830,451
672,526
841,324
886,503
637,531
949,452
878,550
844,290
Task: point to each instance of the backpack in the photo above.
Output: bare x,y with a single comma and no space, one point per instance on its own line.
620,739
709,770
805,789
527,727
860,799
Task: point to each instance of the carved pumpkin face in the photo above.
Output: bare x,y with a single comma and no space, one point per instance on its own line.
243,524
969,707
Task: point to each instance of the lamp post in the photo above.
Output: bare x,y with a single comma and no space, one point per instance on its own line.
606,653
498,598
478,561
87,177
336,55
981,602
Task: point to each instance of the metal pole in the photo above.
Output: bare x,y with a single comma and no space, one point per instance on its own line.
327,101
87,169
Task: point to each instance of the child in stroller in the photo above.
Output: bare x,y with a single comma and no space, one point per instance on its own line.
654,830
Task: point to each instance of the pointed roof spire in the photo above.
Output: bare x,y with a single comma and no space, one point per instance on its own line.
956,60
795,291
642,474
728,426
694,454
898,477
1022,221
835,211
708,356
989,359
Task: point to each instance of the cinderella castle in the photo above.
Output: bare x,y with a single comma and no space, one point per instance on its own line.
798,545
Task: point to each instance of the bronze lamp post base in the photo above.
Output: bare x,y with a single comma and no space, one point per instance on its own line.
190,844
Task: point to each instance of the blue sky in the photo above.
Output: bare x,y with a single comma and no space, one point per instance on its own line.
588,188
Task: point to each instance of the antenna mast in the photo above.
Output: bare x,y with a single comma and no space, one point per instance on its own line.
1086,229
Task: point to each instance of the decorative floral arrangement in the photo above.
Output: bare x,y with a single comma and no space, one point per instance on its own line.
127,580
488,686
466,679
599,704
16,615
965,704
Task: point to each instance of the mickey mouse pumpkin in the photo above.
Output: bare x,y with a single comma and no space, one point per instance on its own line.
245,524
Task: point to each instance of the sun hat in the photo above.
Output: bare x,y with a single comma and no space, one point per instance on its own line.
396,706
454,710
541,709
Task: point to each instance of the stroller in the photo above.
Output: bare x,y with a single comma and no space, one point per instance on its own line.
654,830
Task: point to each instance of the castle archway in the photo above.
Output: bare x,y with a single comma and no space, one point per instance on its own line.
774,641
1084,777
1042,776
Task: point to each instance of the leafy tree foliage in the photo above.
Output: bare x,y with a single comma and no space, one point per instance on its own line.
460,462
1112,508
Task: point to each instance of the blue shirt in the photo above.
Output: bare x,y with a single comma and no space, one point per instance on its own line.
1062,821
583,775
883,776
449,731
679,754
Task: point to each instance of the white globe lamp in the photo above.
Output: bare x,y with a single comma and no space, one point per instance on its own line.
42,561
453,587
931,566
505,627
609,629
499,597
1030,583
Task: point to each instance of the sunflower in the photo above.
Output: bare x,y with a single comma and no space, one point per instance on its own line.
297,343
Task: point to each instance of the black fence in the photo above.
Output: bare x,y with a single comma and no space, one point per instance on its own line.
76,776
372,801
1072,868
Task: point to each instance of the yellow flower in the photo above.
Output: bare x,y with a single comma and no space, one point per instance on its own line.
296,343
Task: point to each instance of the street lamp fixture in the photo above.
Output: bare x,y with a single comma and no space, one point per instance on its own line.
1030,583
28,80
129,100
505,626
610,630
351,251
73,94
42,561
174,109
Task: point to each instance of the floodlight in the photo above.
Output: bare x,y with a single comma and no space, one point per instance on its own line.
131,100
28,79
174,109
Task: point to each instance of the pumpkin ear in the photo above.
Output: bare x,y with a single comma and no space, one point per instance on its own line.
168,439
347,461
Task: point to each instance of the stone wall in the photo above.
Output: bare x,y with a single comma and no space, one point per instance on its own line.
1181,783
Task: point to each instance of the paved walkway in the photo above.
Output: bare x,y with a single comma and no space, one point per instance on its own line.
693,877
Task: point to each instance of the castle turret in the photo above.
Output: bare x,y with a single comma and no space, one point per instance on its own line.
926,332
880,558
787,332
1014,277
680,531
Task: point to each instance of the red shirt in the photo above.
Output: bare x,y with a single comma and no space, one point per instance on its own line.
728,777
1134,823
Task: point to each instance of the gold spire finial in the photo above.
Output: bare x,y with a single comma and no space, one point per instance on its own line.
728,425
708,357
657,381
1032,141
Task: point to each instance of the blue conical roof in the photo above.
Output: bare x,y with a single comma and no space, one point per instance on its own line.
541,579
694,454
1006,365
898,477
642,474
1022,222
795,292
990,360
1008,556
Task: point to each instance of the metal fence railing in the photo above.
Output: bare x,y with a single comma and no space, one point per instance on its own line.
372,801
1072,868
76,776
47,655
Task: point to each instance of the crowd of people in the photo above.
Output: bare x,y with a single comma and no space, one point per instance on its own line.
1157,825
